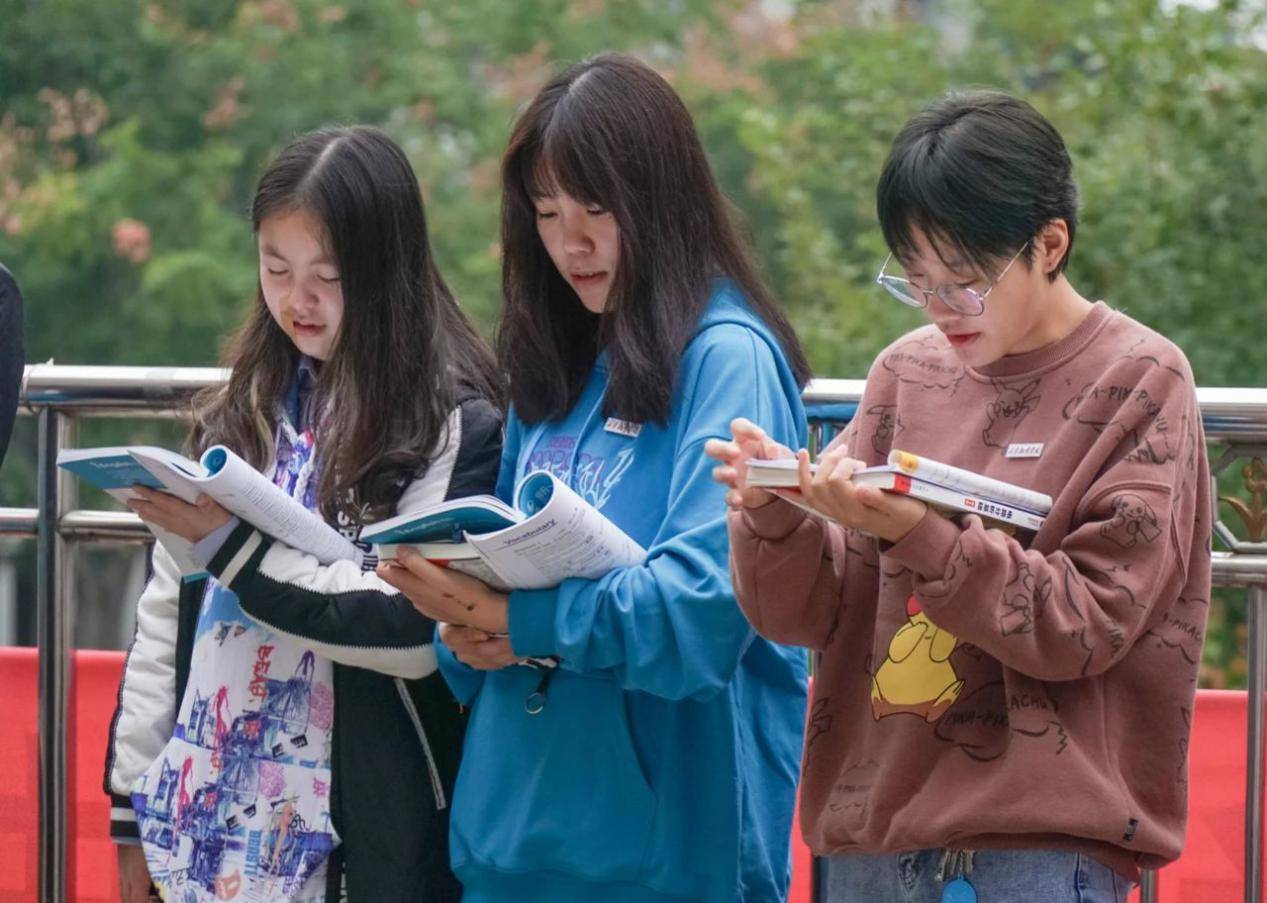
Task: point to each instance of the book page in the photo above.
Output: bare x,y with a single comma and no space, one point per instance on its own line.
968,481
563,536
181,549
250,495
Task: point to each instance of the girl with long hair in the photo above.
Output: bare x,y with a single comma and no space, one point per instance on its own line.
658,760
282,732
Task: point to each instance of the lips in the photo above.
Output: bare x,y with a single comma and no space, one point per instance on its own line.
959,339
585,279
308,329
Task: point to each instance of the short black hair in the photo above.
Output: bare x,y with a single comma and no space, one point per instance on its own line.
981,171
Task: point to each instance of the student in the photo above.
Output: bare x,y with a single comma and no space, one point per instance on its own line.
282,732
1008,714
658,761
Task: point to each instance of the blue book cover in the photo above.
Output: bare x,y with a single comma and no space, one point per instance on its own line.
446,524
108,469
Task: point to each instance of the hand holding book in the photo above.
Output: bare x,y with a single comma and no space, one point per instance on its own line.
829,488
944,487
748,442
447,595
190,521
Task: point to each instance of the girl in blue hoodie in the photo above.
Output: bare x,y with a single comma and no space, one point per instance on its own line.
658,761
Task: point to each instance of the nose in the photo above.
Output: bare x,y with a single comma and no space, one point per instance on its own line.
576,239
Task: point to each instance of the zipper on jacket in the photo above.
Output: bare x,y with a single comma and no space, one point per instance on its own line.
536,700
437,786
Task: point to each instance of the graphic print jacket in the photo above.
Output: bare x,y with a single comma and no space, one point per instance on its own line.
397,729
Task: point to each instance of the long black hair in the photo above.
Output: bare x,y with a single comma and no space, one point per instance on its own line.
610,132
982,171
404,352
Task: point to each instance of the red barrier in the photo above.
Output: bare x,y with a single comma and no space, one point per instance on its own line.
93,875
1209,872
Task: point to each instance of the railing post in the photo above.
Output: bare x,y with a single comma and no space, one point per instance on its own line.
53,615
1257,642
1148,886
1256,597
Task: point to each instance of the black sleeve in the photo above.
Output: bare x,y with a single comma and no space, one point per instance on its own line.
12,355
479,451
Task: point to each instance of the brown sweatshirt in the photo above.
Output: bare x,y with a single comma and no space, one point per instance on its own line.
978,690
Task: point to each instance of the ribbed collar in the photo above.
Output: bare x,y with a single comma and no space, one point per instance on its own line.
1048,356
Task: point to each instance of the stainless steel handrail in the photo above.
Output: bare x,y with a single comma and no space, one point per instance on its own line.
58,395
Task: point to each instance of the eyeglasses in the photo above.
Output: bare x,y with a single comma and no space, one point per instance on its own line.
960,299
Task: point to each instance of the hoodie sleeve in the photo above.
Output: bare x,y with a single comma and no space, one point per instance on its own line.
795,574
670,626
146,711
345,614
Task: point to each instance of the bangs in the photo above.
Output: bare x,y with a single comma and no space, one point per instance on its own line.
567,159
913,201
924,188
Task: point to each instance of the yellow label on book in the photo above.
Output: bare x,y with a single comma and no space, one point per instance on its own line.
906,460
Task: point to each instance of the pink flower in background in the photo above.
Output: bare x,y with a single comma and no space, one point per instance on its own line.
272,780
321,707
132,240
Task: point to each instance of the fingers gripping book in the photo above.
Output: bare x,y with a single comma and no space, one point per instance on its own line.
943,486
223,476
547,536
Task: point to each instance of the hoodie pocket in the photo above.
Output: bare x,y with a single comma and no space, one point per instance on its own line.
561,790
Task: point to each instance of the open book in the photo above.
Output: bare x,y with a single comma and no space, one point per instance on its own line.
549,535
220,474
951,489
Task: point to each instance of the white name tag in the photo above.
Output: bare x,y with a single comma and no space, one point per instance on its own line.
1024,450
623,427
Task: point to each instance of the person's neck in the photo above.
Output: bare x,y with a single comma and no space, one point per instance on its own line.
1063,310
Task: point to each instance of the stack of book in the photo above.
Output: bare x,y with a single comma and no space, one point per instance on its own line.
951,489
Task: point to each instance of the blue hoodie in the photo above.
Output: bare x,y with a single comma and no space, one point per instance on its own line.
664,763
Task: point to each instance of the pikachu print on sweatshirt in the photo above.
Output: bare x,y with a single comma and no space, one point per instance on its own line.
917,676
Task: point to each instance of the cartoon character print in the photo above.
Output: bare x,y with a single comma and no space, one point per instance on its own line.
1005,414
1127,412
1133,521
819,720
1182,628
916,677
888,425
918,362
1025,599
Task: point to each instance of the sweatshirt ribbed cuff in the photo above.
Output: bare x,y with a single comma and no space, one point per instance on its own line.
532,622
773,521
927,548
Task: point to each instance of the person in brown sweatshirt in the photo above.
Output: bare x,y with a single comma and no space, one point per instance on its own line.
994,716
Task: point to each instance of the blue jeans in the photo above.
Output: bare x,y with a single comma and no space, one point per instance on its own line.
998,876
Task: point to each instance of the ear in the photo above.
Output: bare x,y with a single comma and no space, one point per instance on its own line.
1050,245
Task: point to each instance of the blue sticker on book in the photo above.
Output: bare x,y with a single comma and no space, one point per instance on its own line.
959,891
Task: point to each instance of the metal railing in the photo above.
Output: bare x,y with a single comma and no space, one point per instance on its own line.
59,395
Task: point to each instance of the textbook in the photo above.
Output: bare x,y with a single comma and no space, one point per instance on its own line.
547,536
951,489
222,475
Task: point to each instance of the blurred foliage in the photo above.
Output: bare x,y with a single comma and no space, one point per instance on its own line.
131,135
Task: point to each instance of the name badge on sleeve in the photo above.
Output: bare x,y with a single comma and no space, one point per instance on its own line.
1024,450
623,427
